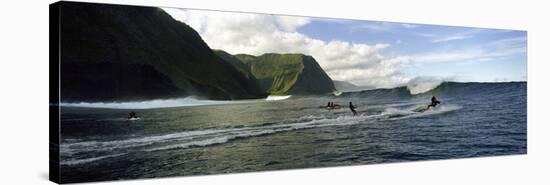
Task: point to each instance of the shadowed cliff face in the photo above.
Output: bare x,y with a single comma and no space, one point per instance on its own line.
114,81
111,52
313,79
283,73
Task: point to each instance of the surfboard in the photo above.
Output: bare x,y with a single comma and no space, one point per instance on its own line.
420,109
330,108
135,118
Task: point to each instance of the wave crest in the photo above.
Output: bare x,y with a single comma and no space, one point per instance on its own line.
150,104
422,85
277,97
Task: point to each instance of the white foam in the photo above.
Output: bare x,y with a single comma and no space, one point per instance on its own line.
410,113
200,137
258,131
214,140
442,109
277,97
161,103
87,160
71,148
397,112
337,93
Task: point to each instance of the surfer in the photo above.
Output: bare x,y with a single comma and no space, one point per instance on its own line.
331,106
352,108
434,103
132,115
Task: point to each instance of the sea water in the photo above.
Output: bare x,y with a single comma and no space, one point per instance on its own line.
191,137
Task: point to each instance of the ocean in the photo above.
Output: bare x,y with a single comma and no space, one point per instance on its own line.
183,137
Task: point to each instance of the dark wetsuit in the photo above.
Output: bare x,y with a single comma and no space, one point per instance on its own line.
352,108
132,115
434,103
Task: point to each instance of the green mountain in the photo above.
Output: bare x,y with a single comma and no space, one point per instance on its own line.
282,73
118,53
243,68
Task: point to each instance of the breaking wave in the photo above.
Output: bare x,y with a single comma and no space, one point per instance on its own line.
438,88
150,104
277,97
418,86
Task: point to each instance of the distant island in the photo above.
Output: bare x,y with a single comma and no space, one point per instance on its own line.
122,53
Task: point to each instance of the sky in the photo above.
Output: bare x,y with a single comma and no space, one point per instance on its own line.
370,53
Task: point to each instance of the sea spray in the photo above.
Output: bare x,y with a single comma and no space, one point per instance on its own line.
424,84
277,97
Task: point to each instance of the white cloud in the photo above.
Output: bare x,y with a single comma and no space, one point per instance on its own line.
447,56
377,27
450,38
383,26
290,24
445,38
429,35
257,34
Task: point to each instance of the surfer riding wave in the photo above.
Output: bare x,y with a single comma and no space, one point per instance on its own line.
434,103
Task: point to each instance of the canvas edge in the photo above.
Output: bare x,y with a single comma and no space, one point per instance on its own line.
54,92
